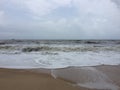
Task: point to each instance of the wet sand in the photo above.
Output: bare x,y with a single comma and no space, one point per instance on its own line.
113,72
72,78
97,77
11,79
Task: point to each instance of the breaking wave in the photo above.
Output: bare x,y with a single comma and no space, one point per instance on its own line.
58,54
72,48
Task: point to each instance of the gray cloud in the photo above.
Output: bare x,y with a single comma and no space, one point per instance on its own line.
117,2
92,19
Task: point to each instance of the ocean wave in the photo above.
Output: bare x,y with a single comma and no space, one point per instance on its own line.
72,49
27,46
5,47
63,48
2,42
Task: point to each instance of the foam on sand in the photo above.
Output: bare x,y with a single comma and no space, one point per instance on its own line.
88,77
59,60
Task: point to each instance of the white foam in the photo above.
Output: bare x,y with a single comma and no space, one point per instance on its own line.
61,60
98,80
100,85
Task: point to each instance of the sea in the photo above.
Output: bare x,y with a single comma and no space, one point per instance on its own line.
53,54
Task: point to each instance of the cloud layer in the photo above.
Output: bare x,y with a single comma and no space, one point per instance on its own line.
60,19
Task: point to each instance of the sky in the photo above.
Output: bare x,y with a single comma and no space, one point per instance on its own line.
59,19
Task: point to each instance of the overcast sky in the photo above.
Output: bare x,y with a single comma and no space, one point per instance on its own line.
59,19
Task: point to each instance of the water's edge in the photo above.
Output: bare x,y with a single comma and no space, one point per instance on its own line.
96,77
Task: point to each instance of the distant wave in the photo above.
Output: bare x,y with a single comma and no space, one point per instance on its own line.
3,42
71,49
27,46
63,48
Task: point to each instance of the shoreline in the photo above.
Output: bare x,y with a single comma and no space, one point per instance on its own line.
72,78
14,79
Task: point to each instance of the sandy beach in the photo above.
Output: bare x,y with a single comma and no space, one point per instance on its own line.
72,78
11,79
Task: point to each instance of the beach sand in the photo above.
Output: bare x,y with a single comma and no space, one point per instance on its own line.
72,78
11,79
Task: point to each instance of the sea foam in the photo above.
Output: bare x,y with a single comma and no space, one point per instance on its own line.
58,54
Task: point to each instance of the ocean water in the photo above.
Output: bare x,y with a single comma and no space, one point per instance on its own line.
58,53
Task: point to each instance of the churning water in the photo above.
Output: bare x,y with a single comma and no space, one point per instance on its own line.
58,53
